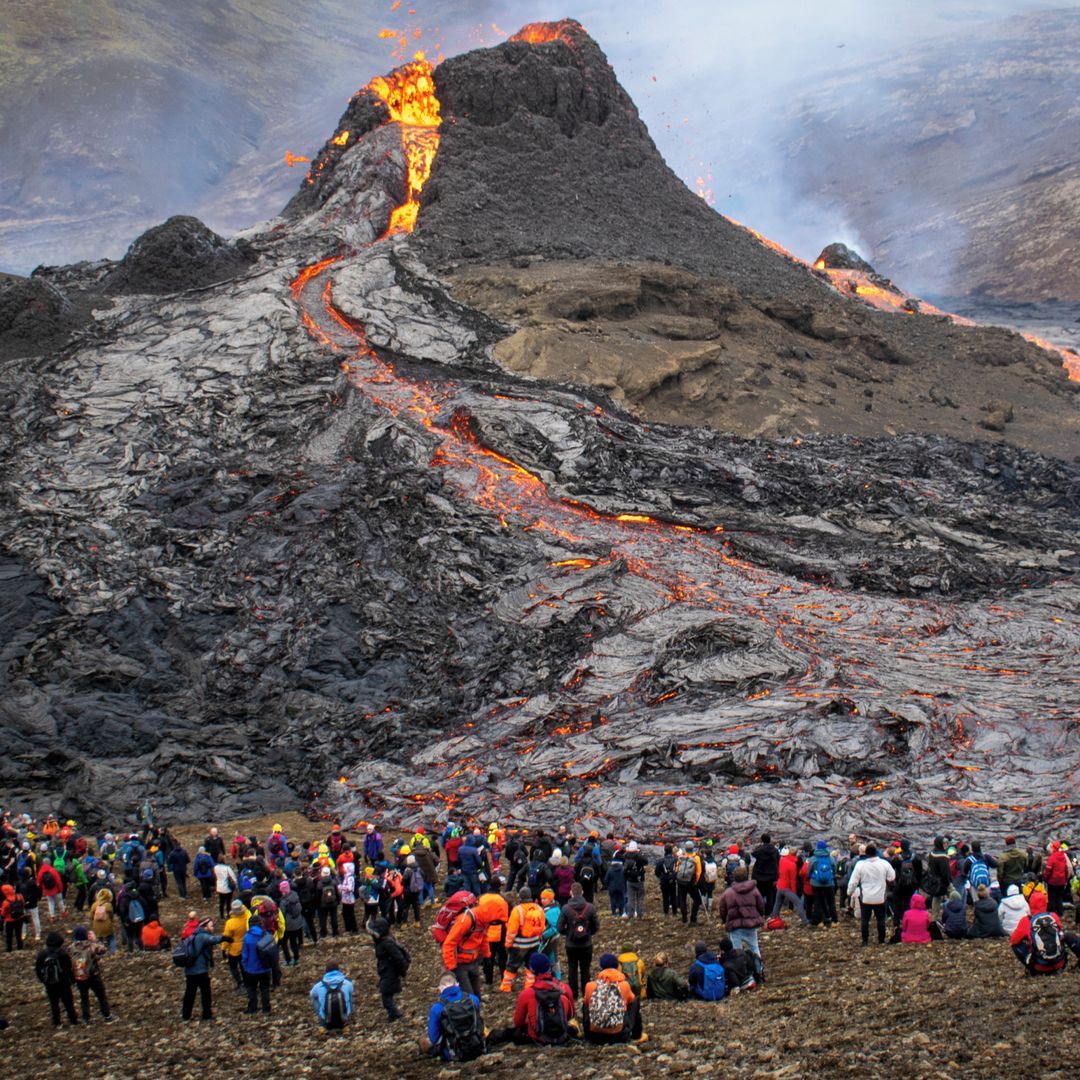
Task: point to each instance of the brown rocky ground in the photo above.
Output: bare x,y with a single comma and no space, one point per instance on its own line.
676,347
829,1008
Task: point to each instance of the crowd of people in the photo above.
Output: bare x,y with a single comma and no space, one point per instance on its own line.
504,904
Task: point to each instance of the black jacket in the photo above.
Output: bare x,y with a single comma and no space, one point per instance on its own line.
738,967
392,963
938,880
766,864
67,972
578,910
987,923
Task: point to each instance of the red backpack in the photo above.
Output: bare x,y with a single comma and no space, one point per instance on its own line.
454,906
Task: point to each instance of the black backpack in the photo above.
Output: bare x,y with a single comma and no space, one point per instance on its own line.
551,1026
906,878
462,1029
334,1007
1047,943
328,897
266,948
52,970
587,872
579,928
18,909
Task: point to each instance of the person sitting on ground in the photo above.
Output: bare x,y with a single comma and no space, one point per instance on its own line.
1012,909
706,975
954,922
985,911
544,1011
612,1014
154,937
664,982
332,998
455,1029
1038,941
915,923
633,967
738,965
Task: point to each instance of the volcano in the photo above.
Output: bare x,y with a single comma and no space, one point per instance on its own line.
282,525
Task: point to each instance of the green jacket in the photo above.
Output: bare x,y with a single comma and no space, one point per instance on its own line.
666,984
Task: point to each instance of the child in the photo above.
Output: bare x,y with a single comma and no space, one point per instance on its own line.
391,963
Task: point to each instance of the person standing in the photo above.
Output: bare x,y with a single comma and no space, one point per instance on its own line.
294,924
766,870
392,965
54,971
13,912
870,879
233,940
578,922
197,974
225,884
524,930
665,873
786,882
257,965
1055,874
822,876
177,860
86,954
688,874
742,911
937,881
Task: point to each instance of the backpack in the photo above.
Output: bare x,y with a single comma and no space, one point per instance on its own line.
713,985
776,923
335,1013
276,845
520,858
185,954
586,873
416,881
666,868
247,880
551,1026
135,912
606,1008
686,873
1047,943
82,963
18,908
978,874
448,913
534,874
266,948
821,871
630,969
906,878
710,870
462,1029
328,896
635,869
579,929
52,970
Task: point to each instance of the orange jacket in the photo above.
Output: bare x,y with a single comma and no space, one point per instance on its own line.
468,937
153,935
614,976
526,926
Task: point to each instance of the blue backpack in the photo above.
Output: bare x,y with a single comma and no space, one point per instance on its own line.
821,871
978,874
713,985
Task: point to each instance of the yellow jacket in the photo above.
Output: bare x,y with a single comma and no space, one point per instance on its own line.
633,958
236,926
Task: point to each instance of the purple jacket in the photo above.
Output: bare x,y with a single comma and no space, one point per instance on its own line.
373,846
741,906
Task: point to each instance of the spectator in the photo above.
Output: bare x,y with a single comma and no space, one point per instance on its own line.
332,998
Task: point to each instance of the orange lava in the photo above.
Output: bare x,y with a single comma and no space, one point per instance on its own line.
409,94
542,33
292,159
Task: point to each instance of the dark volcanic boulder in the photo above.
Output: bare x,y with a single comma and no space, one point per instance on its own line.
182,253
35,317
841,257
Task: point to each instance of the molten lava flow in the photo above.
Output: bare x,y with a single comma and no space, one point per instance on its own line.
292,159
542,33
409,94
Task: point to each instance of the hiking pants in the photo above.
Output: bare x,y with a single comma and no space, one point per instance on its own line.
61,995
670,895
390,1005
13,933
35,920
878,911
635,899
786,896
310,925
825,904
1055,899
707,890
744,938
519,958
618,901
291,943
468,977
331,914
348,918
693,894
56,905
515,873
258,986
497,960
579,961
409,901
472,883
80,897
768,893
181,884
206,884
132,936
97,985
234,971
224,902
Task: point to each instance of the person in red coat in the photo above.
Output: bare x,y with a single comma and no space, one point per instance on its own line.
1056,875
543,1012
52,888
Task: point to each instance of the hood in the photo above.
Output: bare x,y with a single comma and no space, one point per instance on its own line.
9,892
744,886
333,978
451,993
491,908
255,932
706,958
1037,902
612,975
1014,890
379,928
918,903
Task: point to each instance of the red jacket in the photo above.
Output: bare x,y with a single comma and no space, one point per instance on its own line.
525,1011
789,872
1056,871
49,881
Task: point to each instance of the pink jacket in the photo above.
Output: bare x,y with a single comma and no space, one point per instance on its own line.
915,925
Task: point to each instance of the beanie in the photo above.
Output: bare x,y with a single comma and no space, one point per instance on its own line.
80,933
284,888
609,960
539,964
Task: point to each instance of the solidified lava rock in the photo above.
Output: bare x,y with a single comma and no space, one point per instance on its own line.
36,317
181,253
841,257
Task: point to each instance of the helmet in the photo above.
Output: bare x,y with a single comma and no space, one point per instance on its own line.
277,828
70,822
493,825
420,831
404,850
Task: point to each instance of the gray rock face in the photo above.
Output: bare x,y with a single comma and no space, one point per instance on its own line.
296,537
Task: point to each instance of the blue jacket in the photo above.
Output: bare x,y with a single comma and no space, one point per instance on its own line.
318,993
373,846
470,858
178,860
250,961
696,976
434,1024
204,952
204,865
615,878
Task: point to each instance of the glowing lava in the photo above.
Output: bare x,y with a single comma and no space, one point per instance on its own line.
409,94
543,33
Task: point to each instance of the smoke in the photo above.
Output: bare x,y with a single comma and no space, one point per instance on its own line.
721,84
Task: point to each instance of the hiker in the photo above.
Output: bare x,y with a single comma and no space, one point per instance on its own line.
277,847
130,910
472,861
634,868
332,998
1012,865
869,881
786,886
611,1013
214,846
688,878
154,937
30,892
328,899
549,940
706,975
413,889
985,916
258,958
742,911
615,883
103,919
293,914
1056,874
908,869
236,926
564,881
821,874
177,861
496,937
739,967
54,971
197,973
203,869
544,1010
392,965
577,923
1012,909
86,953
373,845
225,884
664,871
1038,941
765,870
13,912
665,983
455,1030
954,922
915,923
467,941
524,929
937,879
52,889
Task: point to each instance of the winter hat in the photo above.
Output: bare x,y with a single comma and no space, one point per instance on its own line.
326,871
539,964
547,894
284,888
688,846
726,945
733,850
699,948
80,933
822,846
205,924
101,874
410,860
632,846
236,905
525,893
953,894
53,940
609,960
1014,890
277,828
148,874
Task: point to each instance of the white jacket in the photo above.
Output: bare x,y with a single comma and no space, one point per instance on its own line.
225,878
870,880
1011,910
